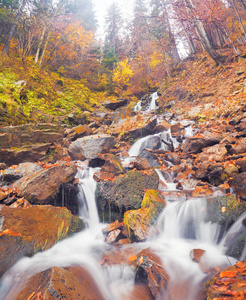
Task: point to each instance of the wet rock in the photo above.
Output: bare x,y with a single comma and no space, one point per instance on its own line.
113,236
173,157
141,163
113,105
150,271
196,144
228,284
230,169
140,292
43,187
91,146
241,164
163,126
3,166
235,120
201,170
239,185
29,134
239,147
213,153
196,254
143,131
33,153
176,127
201,191
138,222
25,231
4,193
224,210
16,172
113,226
59,283
217,174
151,157
124,192
78,132
112,164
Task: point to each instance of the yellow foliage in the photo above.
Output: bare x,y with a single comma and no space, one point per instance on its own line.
156,58
122,74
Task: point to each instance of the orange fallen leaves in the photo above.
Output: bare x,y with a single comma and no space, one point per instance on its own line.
229,274
9,232
240,265
133,258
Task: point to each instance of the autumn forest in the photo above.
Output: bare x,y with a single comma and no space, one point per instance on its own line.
52,46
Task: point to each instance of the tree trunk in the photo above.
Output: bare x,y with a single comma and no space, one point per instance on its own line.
239,18
40,43
12,29
202,35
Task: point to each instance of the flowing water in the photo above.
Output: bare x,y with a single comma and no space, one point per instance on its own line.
182,227
151,105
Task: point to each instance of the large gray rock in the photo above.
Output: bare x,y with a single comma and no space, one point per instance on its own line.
124,193
43,187
196,144
91,146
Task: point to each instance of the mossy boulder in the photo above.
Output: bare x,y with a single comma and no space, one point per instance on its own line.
224,210
138,222
25,231
125,192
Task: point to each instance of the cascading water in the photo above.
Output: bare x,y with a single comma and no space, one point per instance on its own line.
151,105
182,227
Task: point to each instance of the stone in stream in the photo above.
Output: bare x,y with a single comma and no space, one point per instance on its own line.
150,271
139,222
68,283
214,153
124,192
228,284
25,231
90,146
43,187
113,105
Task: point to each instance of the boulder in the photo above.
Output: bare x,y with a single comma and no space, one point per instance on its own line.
16,172
150,271
59,283
196,144
141,163
43,186
79,118
173,158
228,284
25,231
213,153
29,134
90,146
112,164
241,164
134,134
32,153
239,185
224,210
239,147
138,222
151,158
124,192
113,105
78,132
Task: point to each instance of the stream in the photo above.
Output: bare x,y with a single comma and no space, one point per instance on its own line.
182,227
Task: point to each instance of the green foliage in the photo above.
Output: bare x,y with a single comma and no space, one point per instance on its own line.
45,92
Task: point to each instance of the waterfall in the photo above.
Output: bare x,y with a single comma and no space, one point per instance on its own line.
152,104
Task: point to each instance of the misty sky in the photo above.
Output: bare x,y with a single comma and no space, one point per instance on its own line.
101,7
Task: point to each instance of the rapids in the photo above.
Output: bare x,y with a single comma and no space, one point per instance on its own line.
182,227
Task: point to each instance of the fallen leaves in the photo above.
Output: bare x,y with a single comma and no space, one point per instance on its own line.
9,232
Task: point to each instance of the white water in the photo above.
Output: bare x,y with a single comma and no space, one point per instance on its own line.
152,104
181,227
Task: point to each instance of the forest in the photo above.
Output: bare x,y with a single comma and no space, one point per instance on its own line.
52,46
